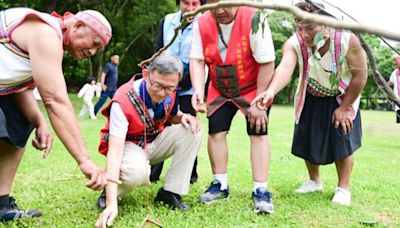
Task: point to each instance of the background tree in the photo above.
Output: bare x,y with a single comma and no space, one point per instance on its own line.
134,24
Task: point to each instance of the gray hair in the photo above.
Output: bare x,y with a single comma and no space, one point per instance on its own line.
166,63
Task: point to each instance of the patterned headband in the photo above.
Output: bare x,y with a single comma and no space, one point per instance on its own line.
96,25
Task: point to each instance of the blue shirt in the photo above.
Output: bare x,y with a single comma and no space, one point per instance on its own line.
157,111
111,80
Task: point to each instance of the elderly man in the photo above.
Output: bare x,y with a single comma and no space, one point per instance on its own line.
136,136
394,81
26,61
333,72
241,65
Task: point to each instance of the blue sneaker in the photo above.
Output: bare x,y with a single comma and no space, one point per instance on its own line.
14,212
214,193
263,201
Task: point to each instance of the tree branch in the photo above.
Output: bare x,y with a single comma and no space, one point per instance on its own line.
319,19
379,80
307,17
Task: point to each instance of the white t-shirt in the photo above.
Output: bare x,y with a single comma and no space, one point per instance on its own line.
261,44
118,122
393,79
88,91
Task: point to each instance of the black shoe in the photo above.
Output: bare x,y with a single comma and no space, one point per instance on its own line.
14,212
156,172
101,201
171,199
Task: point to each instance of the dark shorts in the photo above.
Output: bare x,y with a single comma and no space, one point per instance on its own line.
315,137
222,118
185,105
398,116
14,127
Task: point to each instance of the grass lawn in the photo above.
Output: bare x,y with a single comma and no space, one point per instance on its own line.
56,187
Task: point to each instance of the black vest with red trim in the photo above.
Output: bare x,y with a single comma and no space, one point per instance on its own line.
234,79
138,116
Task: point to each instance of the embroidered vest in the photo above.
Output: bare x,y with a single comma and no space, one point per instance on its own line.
235,79
142,127
15,65
338,49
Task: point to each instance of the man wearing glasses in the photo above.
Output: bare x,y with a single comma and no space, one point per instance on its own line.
136,136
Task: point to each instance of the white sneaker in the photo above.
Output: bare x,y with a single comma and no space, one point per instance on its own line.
310,186
342,197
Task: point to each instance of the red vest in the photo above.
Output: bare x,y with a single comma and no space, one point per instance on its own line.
138,116
235,79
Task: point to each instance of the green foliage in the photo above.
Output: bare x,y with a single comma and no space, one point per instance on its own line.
282,28
134,23
383,56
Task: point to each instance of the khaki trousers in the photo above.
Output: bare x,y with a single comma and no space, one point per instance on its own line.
175,141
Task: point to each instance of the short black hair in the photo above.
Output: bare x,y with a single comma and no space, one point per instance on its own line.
202,2
90,79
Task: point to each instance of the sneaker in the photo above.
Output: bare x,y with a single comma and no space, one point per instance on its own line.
173,200
342,197
214,193
101,201
310,186
13,212
262,199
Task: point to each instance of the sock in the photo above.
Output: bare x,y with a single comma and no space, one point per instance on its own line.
4,201
259,185
223,179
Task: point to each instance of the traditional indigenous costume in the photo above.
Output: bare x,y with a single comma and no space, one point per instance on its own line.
15,66
323,81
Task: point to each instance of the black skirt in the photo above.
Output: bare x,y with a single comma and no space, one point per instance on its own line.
14,127
315,137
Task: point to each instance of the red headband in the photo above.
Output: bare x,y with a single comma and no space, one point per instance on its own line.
96,25
91,21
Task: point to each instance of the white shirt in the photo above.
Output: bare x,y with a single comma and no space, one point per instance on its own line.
118,122
393,79
261,44
88,91
14,68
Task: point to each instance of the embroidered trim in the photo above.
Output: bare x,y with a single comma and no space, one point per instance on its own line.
316,89
12,88
151,129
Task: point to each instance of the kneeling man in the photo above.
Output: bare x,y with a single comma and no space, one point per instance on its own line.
137,135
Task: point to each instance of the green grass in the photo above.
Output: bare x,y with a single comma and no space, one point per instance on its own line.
50,185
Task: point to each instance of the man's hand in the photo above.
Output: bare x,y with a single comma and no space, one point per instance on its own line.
43,140
189,121
97,177
198,102
263,100
107,217
104,87
258,118
342,117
